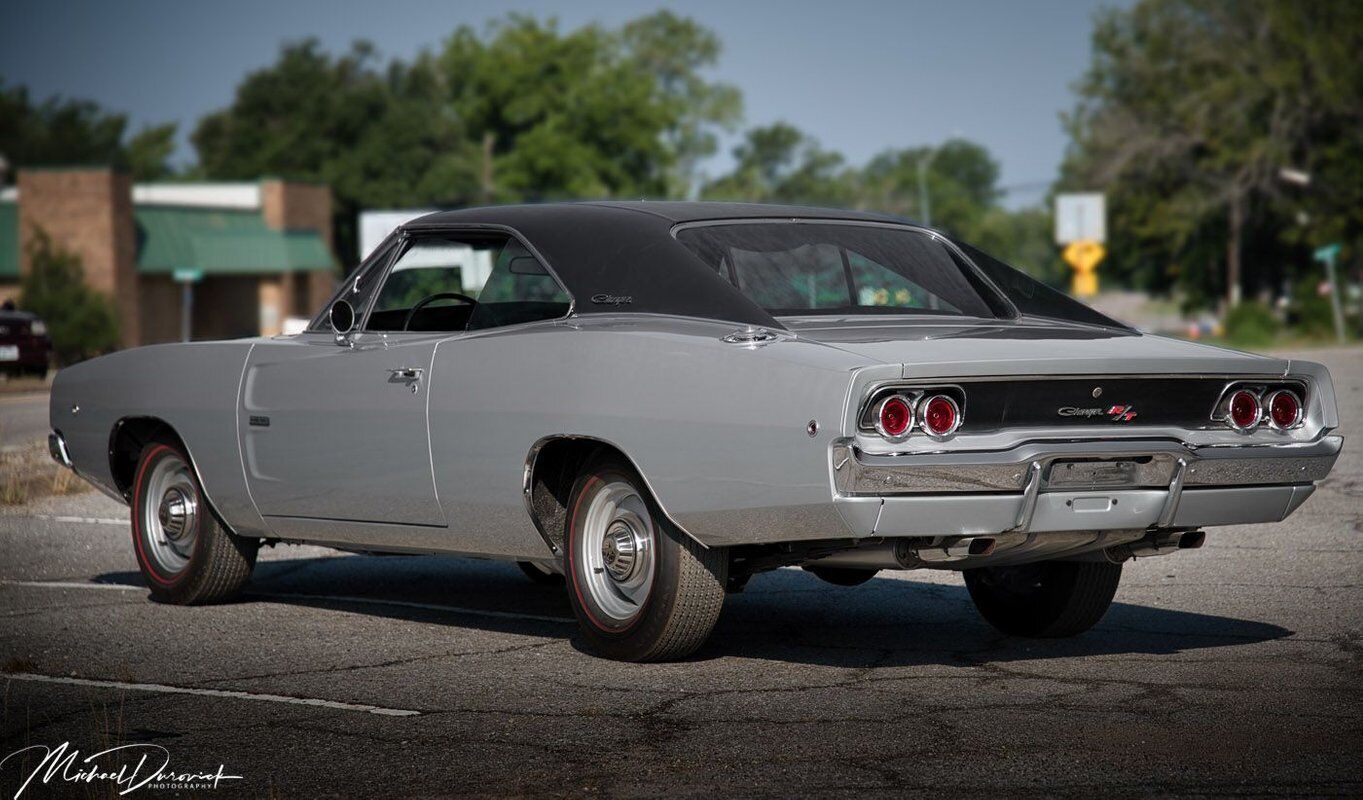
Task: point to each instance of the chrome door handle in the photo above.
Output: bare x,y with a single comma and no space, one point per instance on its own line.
408,375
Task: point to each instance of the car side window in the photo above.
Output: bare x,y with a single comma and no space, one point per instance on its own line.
453,282
518,289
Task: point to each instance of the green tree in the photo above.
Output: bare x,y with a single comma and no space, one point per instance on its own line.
61,132
961,177
148,154
555,114
674,50
376,134
1186,116
80,320
519,111
778,163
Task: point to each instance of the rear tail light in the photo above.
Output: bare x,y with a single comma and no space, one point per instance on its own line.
940,416
1284,410
1244,413
894,417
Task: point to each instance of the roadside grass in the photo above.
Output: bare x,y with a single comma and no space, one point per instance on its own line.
27,473
23,385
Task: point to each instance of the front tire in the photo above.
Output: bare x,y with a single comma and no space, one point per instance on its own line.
1049,599
641,589
185,555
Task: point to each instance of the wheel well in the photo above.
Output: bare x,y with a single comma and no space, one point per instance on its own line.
129,436
554,467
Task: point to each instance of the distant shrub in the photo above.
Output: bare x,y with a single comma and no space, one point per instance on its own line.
80,320
1311,312
1251,325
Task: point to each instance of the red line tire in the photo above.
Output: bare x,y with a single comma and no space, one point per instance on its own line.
663,603
185,554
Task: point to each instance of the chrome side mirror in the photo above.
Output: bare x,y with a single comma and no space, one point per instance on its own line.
342,319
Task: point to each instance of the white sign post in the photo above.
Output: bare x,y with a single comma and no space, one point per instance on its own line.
1080,217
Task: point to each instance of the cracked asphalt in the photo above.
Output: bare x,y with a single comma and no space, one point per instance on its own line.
1236,669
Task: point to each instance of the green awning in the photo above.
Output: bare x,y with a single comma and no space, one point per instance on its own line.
222,242
213,241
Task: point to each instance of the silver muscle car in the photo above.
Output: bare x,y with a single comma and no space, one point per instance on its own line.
659,400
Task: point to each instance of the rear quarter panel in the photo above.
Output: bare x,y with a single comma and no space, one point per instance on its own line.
718,430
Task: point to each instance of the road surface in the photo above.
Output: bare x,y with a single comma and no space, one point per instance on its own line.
23,418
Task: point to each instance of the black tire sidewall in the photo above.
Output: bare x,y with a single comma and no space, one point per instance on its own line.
1042,614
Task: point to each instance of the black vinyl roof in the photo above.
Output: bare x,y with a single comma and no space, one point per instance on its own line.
603,251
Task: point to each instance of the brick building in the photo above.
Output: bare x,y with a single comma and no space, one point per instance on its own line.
254,253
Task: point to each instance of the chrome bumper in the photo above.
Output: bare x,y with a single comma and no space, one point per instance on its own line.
1133,464
1055,486
56,447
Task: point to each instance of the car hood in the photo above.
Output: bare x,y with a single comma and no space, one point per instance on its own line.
933,347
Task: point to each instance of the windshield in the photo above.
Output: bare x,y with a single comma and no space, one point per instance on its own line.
793,269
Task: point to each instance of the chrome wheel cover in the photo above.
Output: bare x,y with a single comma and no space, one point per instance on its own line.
616,551
170,514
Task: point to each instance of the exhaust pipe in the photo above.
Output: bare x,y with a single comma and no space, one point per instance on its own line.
910,553
1156,544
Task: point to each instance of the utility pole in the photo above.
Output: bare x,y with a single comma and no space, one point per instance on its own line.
924,201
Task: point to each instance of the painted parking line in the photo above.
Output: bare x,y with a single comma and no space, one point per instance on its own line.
327,598
75,585
159,688
80,520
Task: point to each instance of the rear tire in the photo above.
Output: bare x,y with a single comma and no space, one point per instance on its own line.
186,556
641,589
842,576
1049,599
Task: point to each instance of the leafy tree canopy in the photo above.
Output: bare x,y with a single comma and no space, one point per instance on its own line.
1187,115
518,111
61,132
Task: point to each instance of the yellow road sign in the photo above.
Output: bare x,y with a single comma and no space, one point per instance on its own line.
1084,256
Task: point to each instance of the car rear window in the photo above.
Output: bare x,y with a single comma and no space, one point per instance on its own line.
804,268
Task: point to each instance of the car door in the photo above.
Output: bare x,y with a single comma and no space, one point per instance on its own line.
338,431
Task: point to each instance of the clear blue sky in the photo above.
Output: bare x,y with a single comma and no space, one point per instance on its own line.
859,76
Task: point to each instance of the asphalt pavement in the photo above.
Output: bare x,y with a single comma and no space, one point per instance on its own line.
23,418
1236,669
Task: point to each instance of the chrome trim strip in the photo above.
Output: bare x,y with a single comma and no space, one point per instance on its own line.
1029,495
528,488
1167,514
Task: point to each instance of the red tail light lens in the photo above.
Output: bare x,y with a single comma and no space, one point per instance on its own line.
1284,410
1244,412
941,416
894,417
